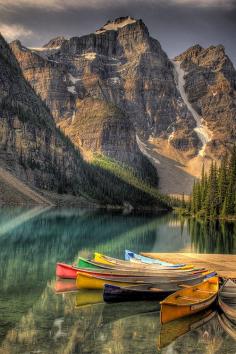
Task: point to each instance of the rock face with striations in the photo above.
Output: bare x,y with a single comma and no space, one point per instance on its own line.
30,143
210,83
120,69
37,152
112,90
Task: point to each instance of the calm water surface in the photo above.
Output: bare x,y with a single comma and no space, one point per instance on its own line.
35,319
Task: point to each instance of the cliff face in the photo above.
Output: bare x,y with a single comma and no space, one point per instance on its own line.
35,150
121,67
29,140
210,83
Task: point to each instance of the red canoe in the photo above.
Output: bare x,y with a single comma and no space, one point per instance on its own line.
66,271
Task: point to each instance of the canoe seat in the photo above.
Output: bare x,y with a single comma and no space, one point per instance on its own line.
186,299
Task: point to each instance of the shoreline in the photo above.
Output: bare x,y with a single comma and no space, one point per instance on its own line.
183,212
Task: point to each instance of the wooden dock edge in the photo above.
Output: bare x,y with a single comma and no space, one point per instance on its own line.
223,264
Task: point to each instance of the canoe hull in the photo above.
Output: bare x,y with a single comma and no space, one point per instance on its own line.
85,281
170,312
227,300
85,263
109,261
129,255
65,271
189,300
113,294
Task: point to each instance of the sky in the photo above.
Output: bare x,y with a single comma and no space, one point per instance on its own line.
177,24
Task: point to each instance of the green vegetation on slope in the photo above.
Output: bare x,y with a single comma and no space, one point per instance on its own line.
127,174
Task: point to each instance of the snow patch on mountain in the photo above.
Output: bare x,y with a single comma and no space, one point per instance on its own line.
144,149
201,129
74,79
71,89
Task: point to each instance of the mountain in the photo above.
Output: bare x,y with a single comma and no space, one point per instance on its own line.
210,84
119,69
116,93
35,151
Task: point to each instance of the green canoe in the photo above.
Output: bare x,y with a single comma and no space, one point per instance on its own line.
85,263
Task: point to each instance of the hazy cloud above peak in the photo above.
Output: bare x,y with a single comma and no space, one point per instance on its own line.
62,4
177,24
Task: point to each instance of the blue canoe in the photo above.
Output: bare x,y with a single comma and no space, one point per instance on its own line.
131,255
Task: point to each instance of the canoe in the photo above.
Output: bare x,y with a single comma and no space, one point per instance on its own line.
227,325
88,297
103,259
65,286
171,331
129,255
136,262
189,300
70,272
66,271
157,292
227,299
151,292
89,281
87,264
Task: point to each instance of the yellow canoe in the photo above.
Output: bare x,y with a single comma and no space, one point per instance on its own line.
103,259
189,300
87,281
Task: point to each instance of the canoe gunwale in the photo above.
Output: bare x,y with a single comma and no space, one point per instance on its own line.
199,302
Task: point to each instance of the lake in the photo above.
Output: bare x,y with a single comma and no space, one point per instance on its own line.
36,319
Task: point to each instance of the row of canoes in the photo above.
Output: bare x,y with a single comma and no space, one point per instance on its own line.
182,289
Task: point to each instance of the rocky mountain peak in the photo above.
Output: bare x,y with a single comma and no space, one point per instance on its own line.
17,45
211,58
6,53
116,24
55,42
190,53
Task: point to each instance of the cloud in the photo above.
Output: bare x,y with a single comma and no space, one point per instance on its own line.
60,5
205,3
56,5
11,32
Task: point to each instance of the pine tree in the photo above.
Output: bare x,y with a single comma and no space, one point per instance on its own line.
215,195
183,204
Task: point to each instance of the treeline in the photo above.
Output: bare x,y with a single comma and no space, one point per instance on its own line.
214,196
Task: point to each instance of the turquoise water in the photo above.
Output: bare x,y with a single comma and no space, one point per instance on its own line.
35,319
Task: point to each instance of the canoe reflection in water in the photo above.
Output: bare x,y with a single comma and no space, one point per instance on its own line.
204,332
175,329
